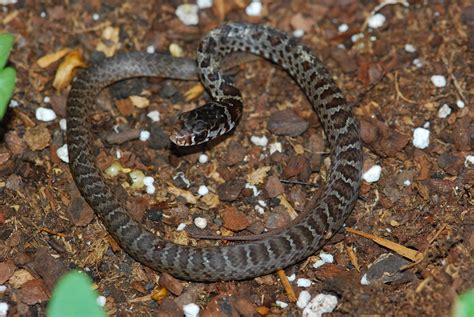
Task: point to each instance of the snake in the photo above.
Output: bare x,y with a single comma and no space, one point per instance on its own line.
220,262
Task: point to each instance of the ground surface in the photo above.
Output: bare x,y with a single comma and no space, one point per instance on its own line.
423,199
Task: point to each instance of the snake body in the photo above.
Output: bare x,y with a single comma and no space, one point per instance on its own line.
237,261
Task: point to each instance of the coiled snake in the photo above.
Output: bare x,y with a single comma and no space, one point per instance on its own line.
237,261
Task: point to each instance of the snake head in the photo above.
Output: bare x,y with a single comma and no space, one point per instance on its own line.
201,125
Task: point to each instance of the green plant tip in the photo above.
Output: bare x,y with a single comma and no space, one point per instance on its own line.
73,296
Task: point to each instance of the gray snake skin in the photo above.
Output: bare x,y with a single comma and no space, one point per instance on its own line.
241,260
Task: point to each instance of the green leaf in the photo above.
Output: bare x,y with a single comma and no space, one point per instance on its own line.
6,44
7,87
464,306
73,296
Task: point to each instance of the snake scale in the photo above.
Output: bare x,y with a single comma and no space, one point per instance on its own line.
241,260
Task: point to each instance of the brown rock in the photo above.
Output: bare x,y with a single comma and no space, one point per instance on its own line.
6,270
451,164
14,182
58,103
279,218
244,307
37,138
14,143
33,292
222,305
235,153
229,191
287,122
274,187
122,137
463,134
171,284
124,106
4,157
49,268
169,308
80,213
297,165
234,219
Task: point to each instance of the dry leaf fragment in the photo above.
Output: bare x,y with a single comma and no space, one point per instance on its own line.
49,59
258,176
211,200
183,193
291,211
140,102
66,70
194,92
110,41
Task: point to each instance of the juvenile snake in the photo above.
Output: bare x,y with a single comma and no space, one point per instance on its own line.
237,261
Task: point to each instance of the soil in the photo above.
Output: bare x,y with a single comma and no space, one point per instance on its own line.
423,199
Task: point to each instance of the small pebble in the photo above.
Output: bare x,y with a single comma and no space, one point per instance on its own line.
3,288
181,227
114,169
176,50
421,138
43,14
303,282
438,80
203,158
319,305
460,104
188,13
204,4
372,174
275,147
63,124
63,153
254,188
118,154
200,222
144,135
150,49
148,182
326,257
426,125
137,178
46,99
410,48
281,304
407,182
469,160
254,8
101,301
45,114
364,280
260,141
259,209
417,62
95,17
444,111
298,33
376,21
203,190
318,264
343,28
292,277
154,115
13,103
303,299
356,37
191,310
3,309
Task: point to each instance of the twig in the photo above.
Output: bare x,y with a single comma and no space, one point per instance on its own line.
408,253
286,284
